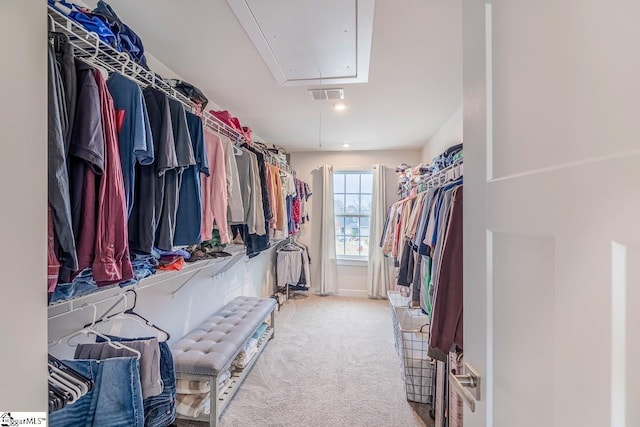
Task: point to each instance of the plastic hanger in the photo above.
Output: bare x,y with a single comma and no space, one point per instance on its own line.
82,385
71,386
58,39
63,395
90,330
78,377
142,321
73,391
57,400
236,147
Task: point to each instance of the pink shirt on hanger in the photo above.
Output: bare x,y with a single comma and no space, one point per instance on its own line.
214,190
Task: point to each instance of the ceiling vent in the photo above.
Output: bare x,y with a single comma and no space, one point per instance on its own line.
326,94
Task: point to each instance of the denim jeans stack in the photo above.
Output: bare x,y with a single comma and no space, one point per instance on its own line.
160,410
116,399
143,266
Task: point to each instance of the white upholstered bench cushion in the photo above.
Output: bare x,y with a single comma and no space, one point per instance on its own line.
209,348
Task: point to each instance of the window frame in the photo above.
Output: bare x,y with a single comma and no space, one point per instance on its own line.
342,258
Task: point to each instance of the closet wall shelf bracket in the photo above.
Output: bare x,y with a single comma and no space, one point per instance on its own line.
225,263
101,304
102,295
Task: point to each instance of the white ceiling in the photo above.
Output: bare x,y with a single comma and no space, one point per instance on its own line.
310,42
415,75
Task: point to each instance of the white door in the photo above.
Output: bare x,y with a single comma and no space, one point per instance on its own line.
552,211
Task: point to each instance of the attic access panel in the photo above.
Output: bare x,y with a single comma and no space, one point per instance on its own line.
310,42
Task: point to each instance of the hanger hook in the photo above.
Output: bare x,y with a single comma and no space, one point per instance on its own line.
126,301
125,63
52,23
95,313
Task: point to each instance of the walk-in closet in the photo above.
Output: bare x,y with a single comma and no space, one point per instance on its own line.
324,213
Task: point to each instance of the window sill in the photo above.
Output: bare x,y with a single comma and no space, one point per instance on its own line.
353,262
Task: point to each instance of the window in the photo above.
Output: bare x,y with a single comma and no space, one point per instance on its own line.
352,191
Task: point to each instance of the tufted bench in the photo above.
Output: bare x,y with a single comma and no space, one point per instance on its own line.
209,349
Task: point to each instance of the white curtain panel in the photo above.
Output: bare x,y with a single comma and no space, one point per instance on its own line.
328,266
378,267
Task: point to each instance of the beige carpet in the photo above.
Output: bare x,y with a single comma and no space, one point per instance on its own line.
332,363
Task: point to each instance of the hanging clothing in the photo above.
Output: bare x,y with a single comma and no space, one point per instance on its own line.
134,136
446,320
288,265
86,166
279,211
173,177
430,204
305,211
90,184
258,203
272,197
149,185
296,208
214,191
66,64
189,216
58,178
262,174
305,279
150,379
111,263
289,191
159,410
235,212
53,264
248,188
119,389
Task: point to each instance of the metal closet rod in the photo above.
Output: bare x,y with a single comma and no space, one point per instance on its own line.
437,177
88,47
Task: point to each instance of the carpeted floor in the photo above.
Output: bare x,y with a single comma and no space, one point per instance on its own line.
332,363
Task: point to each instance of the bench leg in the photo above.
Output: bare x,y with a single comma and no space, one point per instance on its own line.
213,406
273,323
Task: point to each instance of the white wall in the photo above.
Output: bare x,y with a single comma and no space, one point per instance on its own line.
23,219
450,133
352,278
167,73
178,304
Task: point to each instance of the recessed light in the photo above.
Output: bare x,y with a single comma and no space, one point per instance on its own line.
340,106
346,145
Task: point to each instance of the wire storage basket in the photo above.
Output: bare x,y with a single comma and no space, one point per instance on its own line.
411,331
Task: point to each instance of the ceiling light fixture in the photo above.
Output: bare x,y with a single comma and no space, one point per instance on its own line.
339,106
346,145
